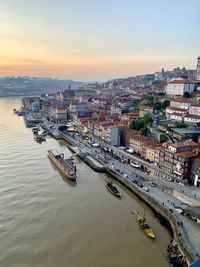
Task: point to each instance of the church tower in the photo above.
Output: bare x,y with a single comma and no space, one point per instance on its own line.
198,69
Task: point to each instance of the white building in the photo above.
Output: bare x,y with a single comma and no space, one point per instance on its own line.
179,87
171,110
194,109
176,116
180,103
191,119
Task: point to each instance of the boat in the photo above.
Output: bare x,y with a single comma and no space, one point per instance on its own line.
65,166
35,130
113,189
145,227
39,138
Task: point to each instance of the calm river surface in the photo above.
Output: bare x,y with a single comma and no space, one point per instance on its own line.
48,222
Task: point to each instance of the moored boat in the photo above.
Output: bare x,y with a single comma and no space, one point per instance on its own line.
65,166
144,226
113,189
39,138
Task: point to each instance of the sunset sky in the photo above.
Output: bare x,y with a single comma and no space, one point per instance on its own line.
91,40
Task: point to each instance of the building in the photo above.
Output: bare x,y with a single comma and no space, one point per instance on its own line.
183,110
194,109
179,86
65,96
185,133
28,103
177,158
198,69
180,103
170,110
107,132
113,136
145,110
191,119
59,113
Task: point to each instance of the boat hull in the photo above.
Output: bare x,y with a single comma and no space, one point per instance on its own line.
145,227
64,171
117,194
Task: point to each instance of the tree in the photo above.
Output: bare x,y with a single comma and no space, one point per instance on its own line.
165,104
157,106
137,125
163,138
186,95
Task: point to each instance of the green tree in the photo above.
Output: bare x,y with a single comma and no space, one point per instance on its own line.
157,106
137,125
163,138
165,104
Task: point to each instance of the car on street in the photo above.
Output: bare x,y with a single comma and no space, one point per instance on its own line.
146,189
140,185
152,184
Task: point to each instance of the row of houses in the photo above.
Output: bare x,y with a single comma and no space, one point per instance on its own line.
180,160
183,110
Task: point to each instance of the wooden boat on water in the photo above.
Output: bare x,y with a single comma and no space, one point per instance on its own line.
113,189
144,226
65,166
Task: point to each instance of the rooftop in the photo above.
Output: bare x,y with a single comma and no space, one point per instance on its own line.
176,109
184,144
181,100
180,81
186,130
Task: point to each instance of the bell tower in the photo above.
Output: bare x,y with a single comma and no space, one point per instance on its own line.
198,69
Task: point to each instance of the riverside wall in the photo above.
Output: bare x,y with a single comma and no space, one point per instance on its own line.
179,236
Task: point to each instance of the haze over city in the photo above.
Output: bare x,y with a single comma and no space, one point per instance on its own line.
97,40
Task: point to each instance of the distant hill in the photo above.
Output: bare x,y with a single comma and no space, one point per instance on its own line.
20,86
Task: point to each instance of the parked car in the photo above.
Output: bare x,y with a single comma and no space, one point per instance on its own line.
152,184
135,181
146,189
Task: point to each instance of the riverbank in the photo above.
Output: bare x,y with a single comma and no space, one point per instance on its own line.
180,250
188,254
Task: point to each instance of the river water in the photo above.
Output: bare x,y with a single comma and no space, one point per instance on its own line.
46,221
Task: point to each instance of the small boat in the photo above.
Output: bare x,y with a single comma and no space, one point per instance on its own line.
145,227
113,189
